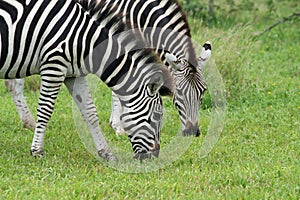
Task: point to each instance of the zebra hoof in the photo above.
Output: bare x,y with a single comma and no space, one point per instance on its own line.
37,153
29,126
29,123
118,129
109,157
112,158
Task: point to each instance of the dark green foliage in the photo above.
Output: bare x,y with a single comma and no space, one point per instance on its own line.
226,12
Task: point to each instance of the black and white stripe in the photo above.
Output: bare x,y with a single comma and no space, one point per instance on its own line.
64,40
164,27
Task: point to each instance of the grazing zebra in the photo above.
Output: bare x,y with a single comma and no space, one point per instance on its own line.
63,41
164,27
170,36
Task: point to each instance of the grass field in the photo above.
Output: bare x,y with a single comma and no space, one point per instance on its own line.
256,157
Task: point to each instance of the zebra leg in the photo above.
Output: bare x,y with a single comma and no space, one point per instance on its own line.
79,90
116,111
50,86
16,87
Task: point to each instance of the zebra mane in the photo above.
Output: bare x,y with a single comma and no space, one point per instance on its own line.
179,9
94,7
183,16
99,9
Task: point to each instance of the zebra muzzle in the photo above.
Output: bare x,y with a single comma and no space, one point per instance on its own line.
191,129
148,154
156,149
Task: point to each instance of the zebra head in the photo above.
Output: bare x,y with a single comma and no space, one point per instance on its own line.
142,112
189,87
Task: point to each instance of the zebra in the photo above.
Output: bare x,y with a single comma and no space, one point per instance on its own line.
169,34
63,41
166,18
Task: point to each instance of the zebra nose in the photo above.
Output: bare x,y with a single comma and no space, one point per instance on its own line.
191,129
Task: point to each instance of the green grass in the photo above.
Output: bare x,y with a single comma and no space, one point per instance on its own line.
256,157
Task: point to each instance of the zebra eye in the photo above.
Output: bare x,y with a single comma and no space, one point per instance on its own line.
183,62
177,61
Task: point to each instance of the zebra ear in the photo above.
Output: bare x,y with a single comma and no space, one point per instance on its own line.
173,61
204,55
155,83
